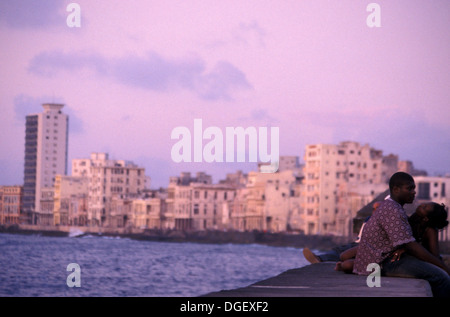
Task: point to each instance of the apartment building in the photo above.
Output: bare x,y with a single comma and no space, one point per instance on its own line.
109,181
46,146
339,180
194,203
118,213
46,202
257,201
282,210
433,188
11,198
269,202
148,213
70,200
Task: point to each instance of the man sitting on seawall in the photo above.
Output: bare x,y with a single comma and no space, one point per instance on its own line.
388,230
425,223
337,253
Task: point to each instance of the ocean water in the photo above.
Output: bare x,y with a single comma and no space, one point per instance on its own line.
33,265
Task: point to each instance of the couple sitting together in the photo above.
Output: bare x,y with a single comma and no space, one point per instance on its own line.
402,246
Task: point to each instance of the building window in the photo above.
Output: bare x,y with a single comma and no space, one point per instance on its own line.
424,191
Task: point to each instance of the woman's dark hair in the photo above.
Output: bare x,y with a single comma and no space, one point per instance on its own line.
437,218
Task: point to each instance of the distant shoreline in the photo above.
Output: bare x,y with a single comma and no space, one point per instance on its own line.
281,239
295,240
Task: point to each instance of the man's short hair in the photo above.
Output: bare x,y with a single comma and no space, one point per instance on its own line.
399,179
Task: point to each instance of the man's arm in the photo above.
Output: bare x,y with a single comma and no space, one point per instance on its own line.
417,250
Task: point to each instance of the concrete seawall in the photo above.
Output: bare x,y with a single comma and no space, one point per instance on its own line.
321,280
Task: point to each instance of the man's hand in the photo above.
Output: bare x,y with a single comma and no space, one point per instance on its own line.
397,254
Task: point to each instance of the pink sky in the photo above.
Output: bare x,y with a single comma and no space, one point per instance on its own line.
135,70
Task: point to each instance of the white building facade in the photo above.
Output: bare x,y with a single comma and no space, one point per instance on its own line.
339,180
46,147
109,180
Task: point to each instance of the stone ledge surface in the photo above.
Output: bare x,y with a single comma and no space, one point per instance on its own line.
321,280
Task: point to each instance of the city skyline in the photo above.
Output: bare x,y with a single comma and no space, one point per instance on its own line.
134,71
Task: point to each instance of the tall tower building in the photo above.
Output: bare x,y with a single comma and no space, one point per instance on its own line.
46,145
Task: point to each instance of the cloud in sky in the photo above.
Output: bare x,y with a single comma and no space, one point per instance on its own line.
51,63
152,71
248,33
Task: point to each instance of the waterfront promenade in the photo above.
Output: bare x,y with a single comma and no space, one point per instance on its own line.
321,280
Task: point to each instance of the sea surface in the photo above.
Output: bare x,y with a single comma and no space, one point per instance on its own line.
33,265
